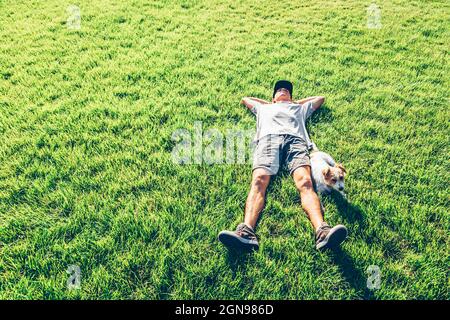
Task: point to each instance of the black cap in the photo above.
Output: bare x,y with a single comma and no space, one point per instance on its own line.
282,84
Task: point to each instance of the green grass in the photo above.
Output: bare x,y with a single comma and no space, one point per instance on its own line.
86,176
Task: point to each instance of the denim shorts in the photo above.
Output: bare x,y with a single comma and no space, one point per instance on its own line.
274,150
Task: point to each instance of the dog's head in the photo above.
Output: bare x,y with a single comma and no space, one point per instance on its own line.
334,177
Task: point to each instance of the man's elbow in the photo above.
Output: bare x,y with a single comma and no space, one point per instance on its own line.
318,102
321,100
247,102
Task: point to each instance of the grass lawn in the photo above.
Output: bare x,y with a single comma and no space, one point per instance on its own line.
86,124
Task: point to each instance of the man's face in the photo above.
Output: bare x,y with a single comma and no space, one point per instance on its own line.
282,95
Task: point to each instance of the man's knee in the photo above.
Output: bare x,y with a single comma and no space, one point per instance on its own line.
260,180
304,183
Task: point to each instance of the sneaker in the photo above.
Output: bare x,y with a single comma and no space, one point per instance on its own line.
244,238
327,237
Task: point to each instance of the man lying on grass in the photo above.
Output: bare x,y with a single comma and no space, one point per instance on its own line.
281,137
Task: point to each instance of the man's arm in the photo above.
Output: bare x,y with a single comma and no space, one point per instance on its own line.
316,101
250,102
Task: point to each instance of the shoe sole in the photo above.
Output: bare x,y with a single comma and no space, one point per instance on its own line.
336,236
232,241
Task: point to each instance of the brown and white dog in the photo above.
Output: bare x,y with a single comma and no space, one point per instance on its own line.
326,173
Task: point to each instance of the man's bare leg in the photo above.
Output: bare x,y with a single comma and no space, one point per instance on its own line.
256,197
244,238
326,237
309,198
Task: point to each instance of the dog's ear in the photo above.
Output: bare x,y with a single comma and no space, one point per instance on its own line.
326,172
340,166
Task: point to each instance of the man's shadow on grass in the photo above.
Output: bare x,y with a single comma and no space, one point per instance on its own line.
238,260
352,215
323,114
354,277
347,210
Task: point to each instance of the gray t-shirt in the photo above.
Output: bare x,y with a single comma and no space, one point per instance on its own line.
283,118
